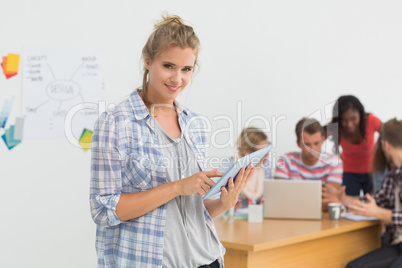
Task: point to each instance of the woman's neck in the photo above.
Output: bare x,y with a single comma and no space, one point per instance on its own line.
157,106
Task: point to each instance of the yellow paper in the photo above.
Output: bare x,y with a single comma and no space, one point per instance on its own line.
13,61
85,140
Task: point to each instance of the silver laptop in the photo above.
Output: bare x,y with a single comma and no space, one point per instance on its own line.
292,199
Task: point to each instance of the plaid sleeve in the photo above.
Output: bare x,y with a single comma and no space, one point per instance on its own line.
106,164
397,217
282,169
383,195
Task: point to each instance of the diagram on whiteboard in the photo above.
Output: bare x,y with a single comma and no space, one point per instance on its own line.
56,79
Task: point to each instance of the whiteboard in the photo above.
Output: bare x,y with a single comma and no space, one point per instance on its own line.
58,83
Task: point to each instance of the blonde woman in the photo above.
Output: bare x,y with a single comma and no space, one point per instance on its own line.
146,203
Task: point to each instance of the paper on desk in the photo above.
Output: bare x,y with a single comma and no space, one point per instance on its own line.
354,217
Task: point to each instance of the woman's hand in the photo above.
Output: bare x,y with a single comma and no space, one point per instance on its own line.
199,183
230,194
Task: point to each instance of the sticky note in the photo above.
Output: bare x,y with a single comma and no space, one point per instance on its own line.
5,72
13,61
85,139
5,141
11,141
5,112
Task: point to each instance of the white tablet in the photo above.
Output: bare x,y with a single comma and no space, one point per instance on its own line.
235,168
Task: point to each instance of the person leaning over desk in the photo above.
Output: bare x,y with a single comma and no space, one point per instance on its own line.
353,129
310,163
146,203
385,204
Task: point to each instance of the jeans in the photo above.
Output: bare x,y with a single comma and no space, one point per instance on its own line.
389,256
356,181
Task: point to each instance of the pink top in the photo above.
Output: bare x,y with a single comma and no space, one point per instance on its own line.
357,158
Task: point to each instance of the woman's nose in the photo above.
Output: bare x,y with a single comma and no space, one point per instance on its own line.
175,77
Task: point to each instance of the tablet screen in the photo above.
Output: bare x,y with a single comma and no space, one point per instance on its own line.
235,168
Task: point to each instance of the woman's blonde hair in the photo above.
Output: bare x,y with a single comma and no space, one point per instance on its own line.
169,32
249,139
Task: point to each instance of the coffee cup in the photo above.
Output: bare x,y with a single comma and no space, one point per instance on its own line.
335,210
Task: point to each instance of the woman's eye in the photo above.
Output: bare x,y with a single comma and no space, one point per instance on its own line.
167,66
187,69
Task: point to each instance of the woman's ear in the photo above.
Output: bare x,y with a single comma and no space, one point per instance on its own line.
147,63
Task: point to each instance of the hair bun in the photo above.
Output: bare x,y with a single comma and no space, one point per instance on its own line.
168,19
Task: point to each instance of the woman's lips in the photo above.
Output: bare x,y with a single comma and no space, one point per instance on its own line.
173,88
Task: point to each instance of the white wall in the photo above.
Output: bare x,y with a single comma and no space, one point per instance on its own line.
277,59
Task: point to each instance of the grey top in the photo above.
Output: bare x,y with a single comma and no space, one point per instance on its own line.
188,241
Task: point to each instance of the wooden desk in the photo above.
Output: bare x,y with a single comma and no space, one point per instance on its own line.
296,243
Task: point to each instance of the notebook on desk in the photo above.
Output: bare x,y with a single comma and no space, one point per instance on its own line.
292,199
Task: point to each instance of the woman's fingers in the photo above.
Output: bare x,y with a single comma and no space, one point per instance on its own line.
249,174
224,191
213,173
231,184
204,188
208,181
246,175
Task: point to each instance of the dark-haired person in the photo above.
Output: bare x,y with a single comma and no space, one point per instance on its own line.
148,167
385,204
310,163
353,129
381,166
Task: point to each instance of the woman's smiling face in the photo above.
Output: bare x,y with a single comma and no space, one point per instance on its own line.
350,120
169,74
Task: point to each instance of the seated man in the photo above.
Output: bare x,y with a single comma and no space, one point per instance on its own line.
310,163
385,204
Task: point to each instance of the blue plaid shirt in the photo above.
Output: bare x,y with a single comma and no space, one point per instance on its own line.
125,159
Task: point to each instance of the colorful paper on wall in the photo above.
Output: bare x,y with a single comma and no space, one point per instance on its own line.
13,61
5,141
5,112
11,141
19,128
3,66
85,139
10,65
9,138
